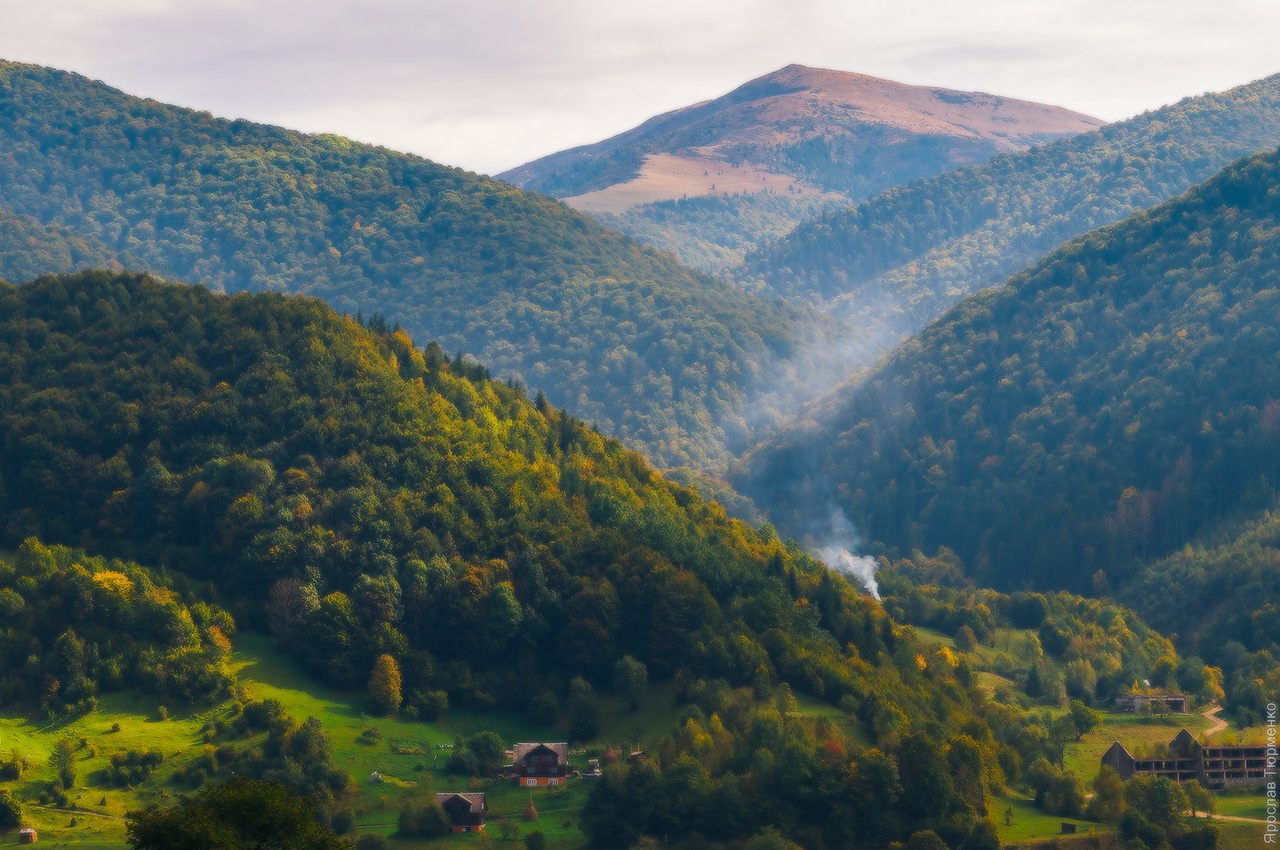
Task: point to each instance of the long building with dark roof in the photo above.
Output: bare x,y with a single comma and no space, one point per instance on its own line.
1215,767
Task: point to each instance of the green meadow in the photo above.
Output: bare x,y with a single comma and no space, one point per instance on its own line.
95,814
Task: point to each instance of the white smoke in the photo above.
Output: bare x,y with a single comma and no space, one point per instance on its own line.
838,554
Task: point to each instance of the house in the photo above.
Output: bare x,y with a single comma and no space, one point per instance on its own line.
536,765
27,835
1175,703
464,810
1215,767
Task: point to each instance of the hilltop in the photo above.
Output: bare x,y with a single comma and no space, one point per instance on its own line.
807,137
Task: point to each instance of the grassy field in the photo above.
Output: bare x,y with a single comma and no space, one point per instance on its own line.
95,816
99,806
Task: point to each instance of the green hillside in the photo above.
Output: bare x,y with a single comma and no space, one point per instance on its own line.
403,501
620,334
376,506
900,260
1094,413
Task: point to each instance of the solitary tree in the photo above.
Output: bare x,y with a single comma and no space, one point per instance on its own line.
10,811
630,679
1107,805
63,759
384,684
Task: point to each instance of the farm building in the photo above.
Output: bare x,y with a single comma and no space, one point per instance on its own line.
1215,767
1176,703
464,810
535,765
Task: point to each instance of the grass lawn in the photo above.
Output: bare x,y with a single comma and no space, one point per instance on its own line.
97,820
1246,803
1241,836
1031,824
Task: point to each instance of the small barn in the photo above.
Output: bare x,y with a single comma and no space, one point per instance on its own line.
27,835
464,810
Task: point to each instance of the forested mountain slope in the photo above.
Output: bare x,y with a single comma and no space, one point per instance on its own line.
779,149
257,439
365,498
29,249
900,260
1096,411
620,334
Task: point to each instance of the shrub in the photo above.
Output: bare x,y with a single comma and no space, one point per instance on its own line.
371,841
422,820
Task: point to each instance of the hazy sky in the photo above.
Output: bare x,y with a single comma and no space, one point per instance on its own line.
490,84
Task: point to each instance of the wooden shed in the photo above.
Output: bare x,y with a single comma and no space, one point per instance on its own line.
27,835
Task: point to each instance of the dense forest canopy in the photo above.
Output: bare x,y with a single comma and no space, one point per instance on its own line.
77,625
1094,413
620,334
901,259
363,497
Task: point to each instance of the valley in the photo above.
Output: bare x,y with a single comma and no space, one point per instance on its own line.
332,474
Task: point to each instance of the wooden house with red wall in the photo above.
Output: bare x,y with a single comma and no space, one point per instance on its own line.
536,765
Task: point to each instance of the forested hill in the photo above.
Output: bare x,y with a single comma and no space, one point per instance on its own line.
900,260
366,498
1096,411
406,503
620,334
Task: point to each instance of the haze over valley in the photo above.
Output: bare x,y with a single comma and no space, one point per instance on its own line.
830,461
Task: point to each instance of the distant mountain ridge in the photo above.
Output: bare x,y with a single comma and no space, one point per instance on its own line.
622,335
798,133
902,259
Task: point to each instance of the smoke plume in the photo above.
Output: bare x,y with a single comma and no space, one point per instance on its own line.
838,554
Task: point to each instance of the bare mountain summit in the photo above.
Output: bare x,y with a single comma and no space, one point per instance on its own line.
780,148
804,128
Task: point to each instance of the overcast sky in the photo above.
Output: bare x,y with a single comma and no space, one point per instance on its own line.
490,84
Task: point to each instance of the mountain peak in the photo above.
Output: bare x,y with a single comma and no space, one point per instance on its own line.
765,135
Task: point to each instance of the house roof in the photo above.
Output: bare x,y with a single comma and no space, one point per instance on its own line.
1117,747
521,751
474,800
1185,743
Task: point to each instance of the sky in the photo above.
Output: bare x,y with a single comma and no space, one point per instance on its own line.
490,84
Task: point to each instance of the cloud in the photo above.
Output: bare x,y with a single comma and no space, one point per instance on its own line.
488,84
